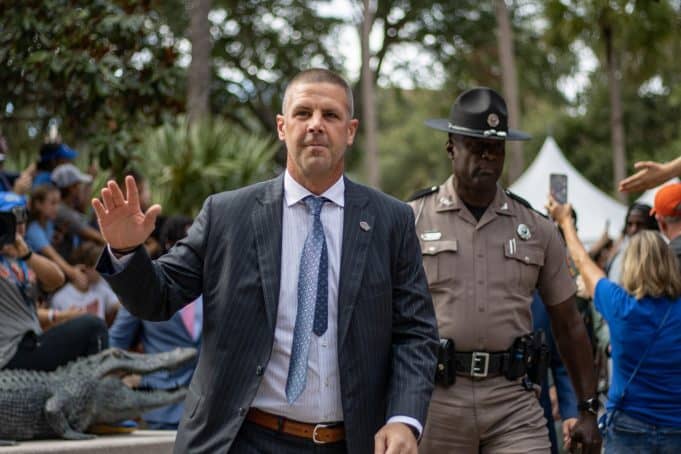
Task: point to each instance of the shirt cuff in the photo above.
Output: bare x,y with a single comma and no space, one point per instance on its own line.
118,263
413,422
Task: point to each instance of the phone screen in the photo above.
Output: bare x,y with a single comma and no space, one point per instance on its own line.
558,187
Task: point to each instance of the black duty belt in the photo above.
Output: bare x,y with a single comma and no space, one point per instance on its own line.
481,364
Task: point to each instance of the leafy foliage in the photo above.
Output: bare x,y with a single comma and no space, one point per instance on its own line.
259,46
187,164
102,69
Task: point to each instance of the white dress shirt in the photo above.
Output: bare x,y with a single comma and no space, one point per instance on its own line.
320,400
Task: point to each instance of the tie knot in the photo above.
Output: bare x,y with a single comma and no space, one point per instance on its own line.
314,204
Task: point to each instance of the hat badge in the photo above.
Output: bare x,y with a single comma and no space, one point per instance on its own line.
493,120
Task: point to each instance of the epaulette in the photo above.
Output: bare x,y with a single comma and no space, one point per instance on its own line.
422,193
524,202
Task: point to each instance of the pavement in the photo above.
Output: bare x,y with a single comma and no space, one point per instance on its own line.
137,442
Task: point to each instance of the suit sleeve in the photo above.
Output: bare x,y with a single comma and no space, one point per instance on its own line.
156,290
414,331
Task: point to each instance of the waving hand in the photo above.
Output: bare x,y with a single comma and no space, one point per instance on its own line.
122,222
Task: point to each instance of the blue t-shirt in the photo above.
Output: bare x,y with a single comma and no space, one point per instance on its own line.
654,395
37,236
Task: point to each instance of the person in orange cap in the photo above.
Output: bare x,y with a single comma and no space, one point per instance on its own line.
667,211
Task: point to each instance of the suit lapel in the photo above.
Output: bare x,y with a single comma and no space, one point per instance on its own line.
267,228
356,242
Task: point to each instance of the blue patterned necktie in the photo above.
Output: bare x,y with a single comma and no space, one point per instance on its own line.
313,312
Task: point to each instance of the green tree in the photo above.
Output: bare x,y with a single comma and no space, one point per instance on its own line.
630,39
100,70
185,164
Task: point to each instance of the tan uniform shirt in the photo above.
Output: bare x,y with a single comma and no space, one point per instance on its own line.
482,274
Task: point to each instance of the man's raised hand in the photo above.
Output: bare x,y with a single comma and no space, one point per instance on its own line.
121,221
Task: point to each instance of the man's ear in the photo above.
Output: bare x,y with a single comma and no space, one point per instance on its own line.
352,131
280,127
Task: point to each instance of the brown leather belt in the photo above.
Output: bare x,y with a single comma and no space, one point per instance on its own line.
318,433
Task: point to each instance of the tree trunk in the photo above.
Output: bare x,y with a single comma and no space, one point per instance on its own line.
509,77
368,100
619,155
199,75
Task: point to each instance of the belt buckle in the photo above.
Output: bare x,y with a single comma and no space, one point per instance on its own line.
477,369
314,433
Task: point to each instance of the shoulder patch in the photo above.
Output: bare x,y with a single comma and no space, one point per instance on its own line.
422,193
524,202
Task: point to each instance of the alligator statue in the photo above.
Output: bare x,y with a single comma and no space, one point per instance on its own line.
85,392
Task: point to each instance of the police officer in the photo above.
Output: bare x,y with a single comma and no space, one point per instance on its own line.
485,250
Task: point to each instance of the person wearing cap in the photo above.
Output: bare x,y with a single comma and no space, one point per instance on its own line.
23,342
70,221
485,250
667,212
644,315
52,155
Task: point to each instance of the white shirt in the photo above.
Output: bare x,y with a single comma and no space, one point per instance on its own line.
320,401
96,300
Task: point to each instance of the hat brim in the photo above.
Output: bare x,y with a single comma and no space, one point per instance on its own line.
67,154
444,124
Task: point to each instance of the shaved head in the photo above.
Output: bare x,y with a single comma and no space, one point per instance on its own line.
320,75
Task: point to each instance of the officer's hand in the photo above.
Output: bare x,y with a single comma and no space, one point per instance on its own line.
395,438
568,425
585,434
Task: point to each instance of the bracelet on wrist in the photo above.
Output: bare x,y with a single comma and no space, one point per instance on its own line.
28,255
50,316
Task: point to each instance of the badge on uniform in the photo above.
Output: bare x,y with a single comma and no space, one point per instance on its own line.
431,236
523,232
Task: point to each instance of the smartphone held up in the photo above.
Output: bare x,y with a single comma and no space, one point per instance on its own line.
558,187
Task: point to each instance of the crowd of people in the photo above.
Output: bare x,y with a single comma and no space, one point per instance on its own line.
55,305
333,318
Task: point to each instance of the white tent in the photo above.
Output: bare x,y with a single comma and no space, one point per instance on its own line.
649,196
594,208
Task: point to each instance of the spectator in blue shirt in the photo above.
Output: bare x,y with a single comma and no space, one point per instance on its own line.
40,232
644,315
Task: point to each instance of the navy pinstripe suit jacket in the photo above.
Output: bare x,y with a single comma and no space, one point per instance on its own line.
387,333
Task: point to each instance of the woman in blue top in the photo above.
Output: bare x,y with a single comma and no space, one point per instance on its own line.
644,315
40,232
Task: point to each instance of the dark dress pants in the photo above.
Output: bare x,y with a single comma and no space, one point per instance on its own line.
61,344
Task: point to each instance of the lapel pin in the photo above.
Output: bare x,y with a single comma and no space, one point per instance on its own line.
523,232
364,225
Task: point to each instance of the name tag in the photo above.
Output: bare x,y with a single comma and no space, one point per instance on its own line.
431,236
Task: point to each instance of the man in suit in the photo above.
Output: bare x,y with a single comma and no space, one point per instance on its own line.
318,325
